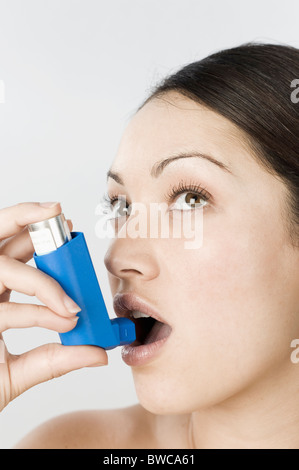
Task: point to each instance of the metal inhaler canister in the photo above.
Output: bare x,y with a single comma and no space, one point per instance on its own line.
64,256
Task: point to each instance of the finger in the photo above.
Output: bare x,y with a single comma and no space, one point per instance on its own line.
20,246
31,281
3,351
14,218
51,361
17,315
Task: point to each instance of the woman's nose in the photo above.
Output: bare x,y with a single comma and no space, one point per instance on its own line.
126,258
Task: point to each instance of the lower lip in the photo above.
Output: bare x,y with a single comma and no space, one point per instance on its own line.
141,355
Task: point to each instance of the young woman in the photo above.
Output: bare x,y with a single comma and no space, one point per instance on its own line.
219,137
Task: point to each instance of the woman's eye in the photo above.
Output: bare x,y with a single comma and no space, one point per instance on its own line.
188,201
119,208
116,206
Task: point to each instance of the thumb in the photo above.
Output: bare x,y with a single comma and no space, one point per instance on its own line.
51,361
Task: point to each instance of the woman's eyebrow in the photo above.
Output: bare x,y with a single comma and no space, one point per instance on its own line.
115,176
158,167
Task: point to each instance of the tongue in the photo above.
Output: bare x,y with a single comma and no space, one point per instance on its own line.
157,332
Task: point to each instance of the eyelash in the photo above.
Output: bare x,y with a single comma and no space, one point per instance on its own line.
183,187
172,194
109,200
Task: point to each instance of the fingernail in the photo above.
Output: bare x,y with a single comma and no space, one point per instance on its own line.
75,319
48,205
71,306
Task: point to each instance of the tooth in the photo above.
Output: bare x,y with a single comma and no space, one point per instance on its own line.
138,314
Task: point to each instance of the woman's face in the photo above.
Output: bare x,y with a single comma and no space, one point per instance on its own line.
232,303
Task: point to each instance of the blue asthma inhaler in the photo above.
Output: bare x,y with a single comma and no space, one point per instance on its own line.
64,256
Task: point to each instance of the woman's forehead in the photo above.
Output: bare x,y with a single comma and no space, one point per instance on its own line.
175,124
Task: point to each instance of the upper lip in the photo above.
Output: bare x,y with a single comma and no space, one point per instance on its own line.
124,303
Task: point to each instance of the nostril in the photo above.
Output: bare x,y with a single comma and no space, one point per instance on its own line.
126,260
129,270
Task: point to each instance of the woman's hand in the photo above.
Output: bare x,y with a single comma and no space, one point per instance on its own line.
19,373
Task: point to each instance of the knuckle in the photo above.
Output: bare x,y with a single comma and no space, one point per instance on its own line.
46,280
4,307
37,315
40,309
41,283
41,315
4,310
51,356
4,261
20,205
51,286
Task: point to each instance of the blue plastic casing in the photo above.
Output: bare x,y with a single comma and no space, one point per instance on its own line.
71,266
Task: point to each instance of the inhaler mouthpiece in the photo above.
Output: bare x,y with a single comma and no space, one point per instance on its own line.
64,256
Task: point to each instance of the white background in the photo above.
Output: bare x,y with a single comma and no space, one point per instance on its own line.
74,72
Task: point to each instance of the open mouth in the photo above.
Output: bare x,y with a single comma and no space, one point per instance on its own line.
148,329
152,331
149,325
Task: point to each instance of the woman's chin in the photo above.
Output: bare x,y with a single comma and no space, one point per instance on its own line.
161,400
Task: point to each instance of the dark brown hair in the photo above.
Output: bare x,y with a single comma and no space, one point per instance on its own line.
251,86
